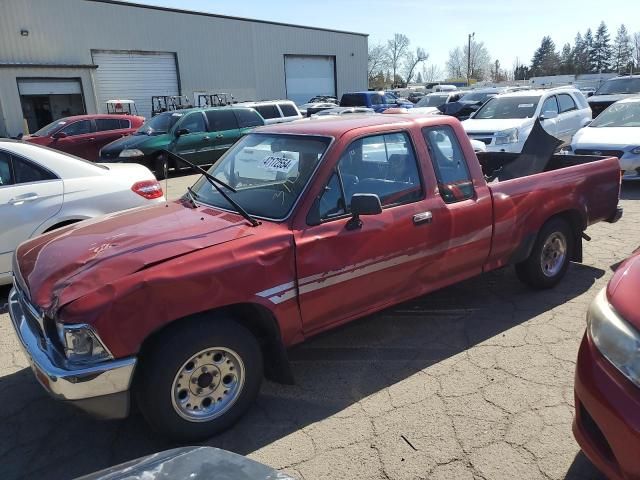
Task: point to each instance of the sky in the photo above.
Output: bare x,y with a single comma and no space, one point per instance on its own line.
509,29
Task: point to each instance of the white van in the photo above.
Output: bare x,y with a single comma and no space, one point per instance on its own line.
275,111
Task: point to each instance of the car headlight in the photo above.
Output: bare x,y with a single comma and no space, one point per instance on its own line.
507,136
81,344
616,340
636,151
131,152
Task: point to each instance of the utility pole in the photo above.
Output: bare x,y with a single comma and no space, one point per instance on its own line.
471,35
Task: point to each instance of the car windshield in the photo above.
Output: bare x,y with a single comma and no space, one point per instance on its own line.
268,172
159,124
619,85
432,101
499,108
477,96
619,115
49,129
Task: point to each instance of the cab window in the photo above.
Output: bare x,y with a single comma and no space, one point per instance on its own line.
194,123
550,105
384,165
566,103
452,173
77,128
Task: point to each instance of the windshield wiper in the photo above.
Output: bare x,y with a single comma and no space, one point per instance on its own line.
192,197
215,182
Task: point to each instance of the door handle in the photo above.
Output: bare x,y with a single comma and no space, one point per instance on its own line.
220,135
207,137
19,200
424,217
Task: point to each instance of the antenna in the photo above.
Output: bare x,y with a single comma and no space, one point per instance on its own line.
165,165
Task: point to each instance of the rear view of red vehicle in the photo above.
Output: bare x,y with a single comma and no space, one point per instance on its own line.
84,135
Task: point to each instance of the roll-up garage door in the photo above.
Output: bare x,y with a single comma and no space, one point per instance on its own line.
309,75
135,76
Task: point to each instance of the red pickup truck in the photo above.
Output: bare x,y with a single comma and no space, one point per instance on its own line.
299,228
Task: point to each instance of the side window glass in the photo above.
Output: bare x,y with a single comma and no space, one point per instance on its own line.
248,118
77,128
454,181
288,110
220,120
566,103
376,100
5,169
268,111
104,124
194,123
384,165
389,99
124,124
27,172
550,105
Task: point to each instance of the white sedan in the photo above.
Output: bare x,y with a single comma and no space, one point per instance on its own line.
615,132
42,189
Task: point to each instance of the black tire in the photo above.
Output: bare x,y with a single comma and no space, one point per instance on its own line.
165,359
534,271
161,167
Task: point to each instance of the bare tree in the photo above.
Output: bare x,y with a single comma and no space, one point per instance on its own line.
480,60
397,49
413,59
378,58
432,73
636,50
457,63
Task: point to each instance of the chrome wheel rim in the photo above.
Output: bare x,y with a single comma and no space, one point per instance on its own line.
554,253
208,384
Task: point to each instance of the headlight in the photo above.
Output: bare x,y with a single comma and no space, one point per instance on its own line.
507,136
81,344
133,152
636,151
617,341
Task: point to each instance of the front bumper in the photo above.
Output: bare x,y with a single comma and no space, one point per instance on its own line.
101,389
606,424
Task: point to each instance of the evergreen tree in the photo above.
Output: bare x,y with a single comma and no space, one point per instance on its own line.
579,56
419,78
521,73
622,51
545,60
566,60
588,50
601,52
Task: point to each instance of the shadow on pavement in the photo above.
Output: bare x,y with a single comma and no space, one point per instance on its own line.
630,191
583,469
4,296
42,438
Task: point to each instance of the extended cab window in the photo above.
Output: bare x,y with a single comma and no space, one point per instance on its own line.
248,118
566,103
268,111
220,120
77,128
382,164
454,181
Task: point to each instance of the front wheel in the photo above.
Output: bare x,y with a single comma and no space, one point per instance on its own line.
549,258
199,378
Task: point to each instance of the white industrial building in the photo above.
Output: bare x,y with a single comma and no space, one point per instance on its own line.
67,57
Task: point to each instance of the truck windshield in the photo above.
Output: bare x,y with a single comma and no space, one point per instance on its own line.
432,101
619,115
159,124
500,108
268,172
619,85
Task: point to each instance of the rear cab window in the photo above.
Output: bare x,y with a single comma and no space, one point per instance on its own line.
449,164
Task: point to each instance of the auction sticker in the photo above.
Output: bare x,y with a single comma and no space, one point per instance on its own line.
277,164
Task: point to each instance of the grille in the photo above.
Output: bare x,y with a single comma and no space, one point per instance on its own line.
602,153
482,137
33,317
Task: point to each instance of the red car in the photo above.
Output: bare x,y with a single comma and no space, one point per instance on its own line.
607,383
298,228
84,135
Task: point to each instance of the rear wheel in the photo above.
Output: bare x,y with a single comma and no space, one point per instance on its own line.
199,378
549,258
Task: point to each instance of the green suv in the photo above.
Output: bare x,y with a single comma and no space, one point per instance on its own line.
201,135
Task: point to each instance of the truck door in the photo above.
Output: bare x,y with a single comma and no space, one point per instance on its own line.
345,272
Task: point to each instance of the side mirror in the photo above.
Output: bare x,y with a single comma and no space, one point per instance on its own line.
58,135
181,131
363,204
590,94
548,115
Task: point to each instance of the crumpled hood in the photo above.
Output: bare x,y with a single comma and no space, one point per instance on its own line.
130,141
622,291
66,264
606,137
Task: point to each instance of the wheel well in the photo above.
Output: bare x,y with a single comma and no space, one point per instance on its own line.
260,322
578,224
62,224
